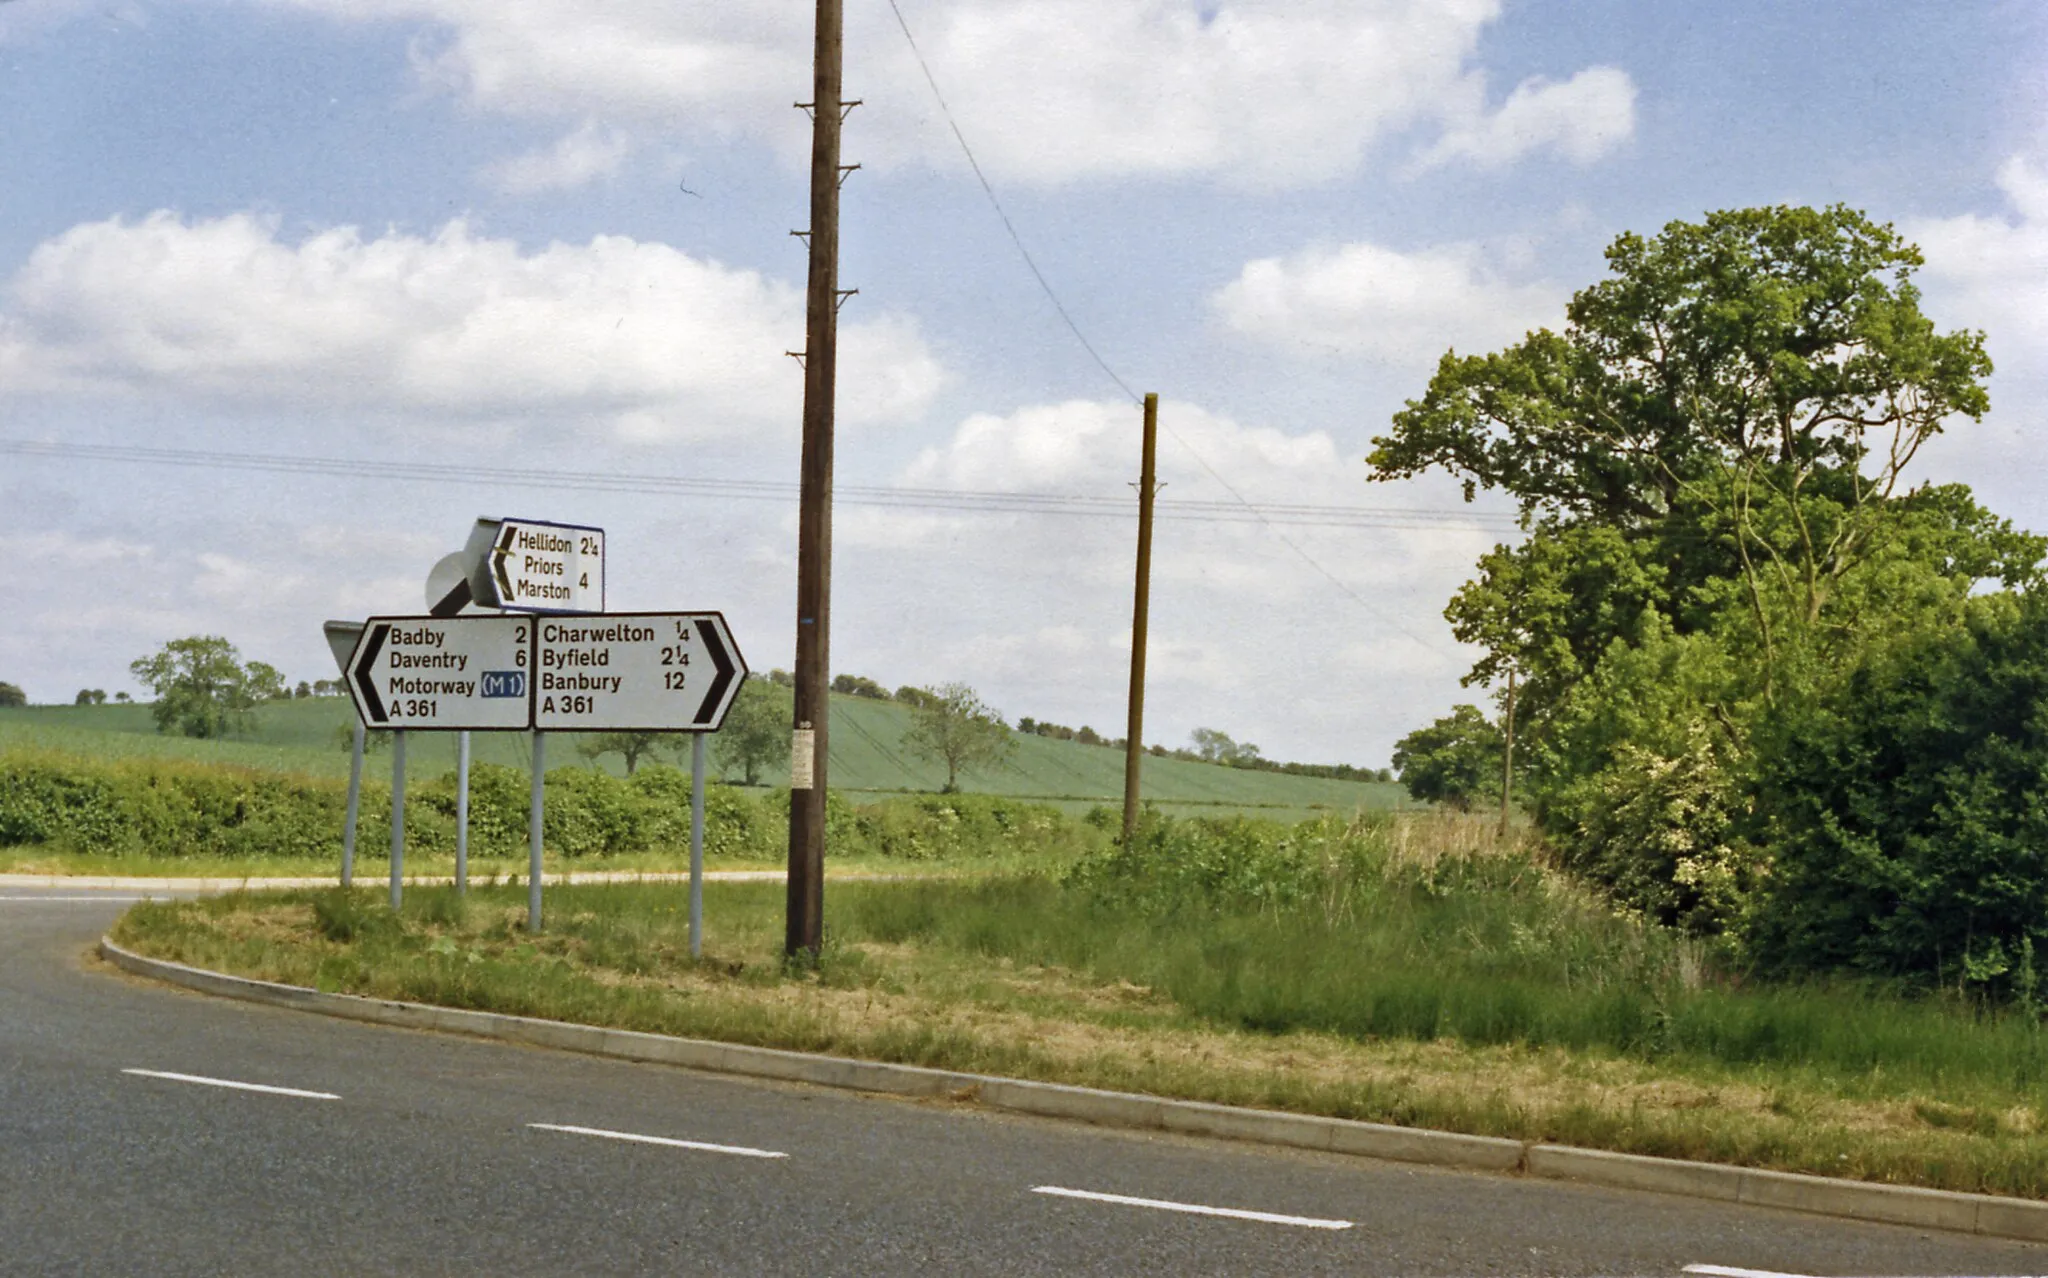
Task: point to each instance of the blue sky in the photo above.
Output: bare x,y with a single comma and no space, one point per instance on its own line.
536,234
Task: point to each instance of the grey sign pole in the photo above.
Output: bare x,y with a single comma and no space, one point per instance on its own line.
533,824
697,845
341,641
397,817
355,796
462,813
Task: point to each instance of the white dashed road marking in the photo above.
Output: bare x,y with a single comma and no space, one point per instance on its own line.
1193,1209
740,1150
203,1081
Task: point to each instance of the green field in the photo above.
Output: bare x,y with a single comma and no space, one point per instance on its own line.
867,759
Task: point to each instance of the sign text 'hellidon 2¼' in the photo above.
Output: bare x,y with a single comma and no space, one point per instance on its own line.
545,567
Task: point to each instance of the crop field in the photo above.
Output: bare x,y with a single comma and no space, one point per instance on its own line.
867,759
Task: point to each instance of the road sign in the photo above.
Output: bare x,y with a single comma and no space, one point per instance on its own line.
470,673
341,638
448,589
635,672
533,566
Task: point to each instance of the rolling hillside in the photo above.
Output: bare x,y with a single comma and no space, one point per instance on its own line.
867,758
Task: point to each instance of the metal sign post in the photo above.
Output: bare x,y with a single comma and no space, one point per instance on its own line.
697,846
533,831
355,794
397,817
342,637
461,813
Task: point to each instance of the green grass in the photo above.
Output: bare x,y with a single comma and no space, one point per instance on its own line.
867,758
1407,970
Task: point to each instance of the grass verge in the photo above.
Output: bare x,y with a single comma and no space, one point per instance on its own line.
1421,983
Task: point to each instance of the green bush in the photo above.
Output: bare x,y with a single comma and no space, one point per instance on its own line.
156,807
1909,817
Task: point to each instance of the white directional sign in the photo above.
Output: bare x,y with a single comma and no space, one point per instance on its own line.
635,672
533,566
470,673
448,589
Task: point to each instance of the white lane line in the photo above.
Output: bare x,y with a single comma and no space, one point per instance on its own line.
1194,1209
204,1081
636,1138
1729,1271
111,900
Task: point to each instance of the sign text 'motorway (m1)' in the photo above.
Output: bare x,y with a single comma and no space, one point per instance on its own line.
635,672
448,673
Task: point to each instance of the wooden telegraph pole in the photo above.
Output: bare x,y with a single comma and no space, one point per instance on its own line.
1507,755
806,904
1134,734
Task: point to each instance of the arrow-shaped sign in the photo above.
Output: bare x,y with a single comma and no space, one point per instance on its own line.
448,673
361,679
534,566
635,672
711,712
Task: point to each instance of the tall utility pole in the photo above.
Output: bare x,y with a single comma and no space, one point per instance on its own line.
806,909
1134,735
1507,755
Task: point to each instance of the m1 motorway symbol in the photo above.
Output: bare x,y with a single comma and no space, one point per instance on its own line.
533,566
635,672
447,673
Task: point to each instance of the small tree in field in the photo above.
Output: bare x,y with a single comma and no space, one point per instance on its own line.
202,688
11,696
756,730
633,746
1453,761
956,728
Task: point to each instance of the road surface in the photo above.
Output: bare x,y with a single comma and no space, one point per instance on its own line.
134,1138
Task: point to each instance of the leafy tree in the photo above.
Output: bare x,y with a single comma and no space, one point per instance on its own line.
202,688
756,730
1709,459
90,697
11,696
123,698
633,746
1213,746
858,686
910,696
1454,761
955,727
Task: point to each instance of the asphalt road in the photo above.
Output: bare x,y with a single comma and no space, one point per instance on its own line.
399,1152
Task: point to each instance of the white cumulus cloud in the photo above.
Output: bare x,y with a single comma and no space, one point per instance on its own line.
1246,632
1253,92
577,159
452,326
1384,305
1582,119
1991,272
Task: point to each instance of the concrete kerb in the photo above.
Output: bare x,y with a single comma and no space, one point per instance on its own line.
1855,1200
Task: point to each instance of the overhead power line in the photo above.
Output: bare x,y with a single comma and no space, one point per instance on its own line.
953,500
1250,513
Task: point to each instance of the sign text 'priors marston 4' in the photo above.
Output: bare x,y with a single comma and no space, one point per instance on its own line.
534,566
635,672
